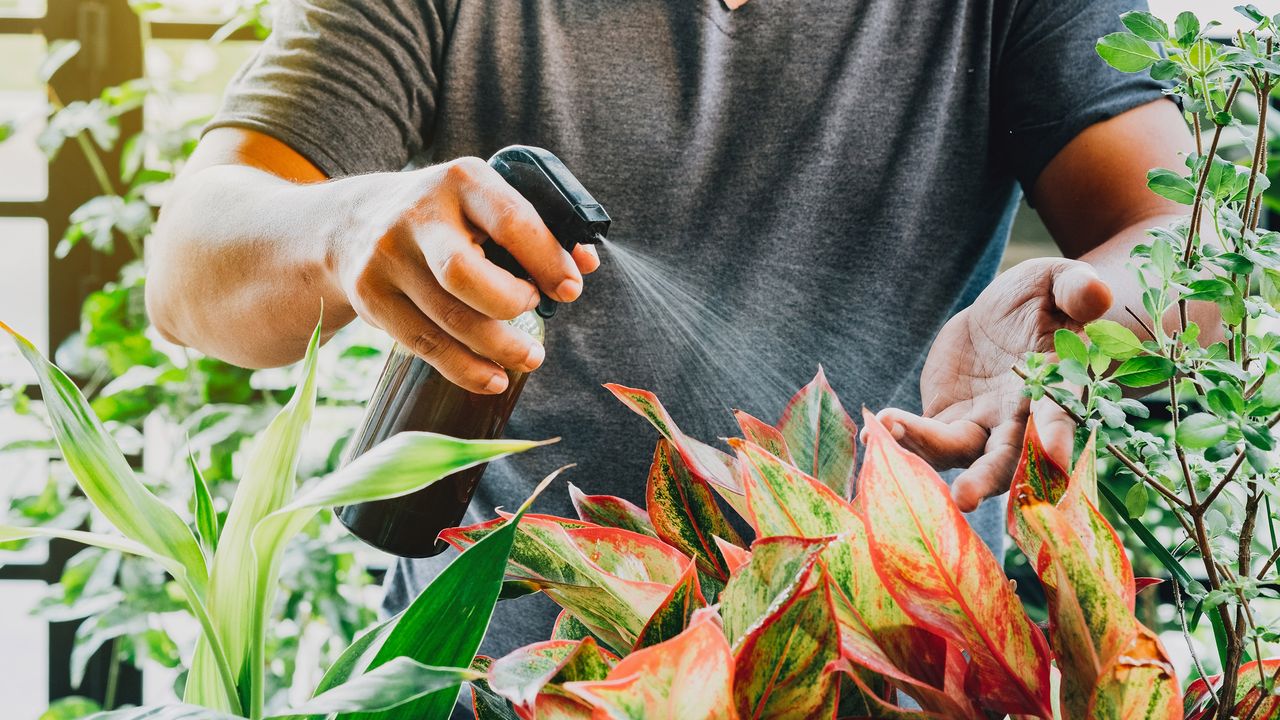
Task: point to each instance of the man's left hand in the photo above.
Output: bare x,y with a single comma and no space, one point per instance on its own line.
975,412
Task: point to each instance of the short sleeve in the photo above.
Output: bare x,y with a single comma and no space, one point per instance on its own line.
1050,84
351,85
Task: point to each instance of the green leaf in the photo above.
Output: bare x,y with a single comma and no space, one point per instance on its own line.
1146,26
1113,339
1136,499
465,593
70,708
1153,545
60,51
164,712
1144,371
1069,346
1126,52
207,527
1169,184
393,684
1201,430
1258,435
1186,27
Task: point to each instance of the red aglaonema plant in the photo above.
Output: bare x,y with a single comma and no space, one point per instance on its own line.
843,605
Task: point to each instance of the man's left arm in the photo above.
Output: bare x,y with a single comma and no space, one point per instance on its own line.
1093,197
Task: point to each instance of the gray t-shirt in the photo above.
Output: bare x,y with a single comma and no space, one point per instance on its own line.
816,181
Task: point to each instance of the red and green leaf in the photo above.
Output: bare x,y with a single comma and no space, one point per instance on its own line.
1099,538
688,677
1250,687
1037,477
763,434
943,575
708,463
735,556
778,568
781,669
784,500
821,436
569,627
674,614
684,511
523,674
610,511
1138,684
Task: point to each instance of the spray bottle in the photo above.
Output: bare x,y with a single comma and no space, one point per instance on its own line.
412,395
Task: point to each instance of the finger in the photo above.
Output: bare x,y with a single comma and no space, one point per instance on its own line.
397,315
990,474
492,339
586,257
459,266
943,445
510,220
1056,429
1080,293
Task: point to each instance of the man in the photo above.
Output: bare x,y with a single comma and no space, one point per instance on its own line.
836,179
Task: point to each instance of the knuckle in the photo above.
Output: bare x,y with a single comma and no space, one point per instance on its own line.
431,343
455,272
464,169
455,316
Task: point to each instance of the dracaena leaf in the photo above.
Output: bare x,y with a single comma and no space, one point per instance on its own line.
674,614
688,677
1139,684
684,511
942,574
778,568
524,674
781,669
708,463
393,684
821,436
766,436
610,511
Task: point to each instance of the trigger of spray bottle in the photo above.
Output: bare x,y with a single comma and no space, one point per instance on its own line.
412,395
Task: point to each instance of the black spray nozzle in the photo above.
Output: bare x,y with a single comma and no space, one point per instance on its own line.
566,208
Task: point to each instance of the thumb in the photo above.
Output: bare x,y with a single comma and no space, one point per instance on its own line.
1079,293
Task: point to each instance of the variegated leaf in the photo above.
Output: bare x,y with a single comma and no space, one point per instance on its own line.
859,699
780,670
688,677
1100,540
943,575
708,463
821,436
676,611
526,673
763,434
1139,684
1198,702
1089,625
735,556
612,580
778,568
569,627
684,511
610,511
1037,477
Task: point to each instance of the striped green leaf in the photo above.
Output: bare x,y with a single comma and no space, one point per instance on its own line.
610,511
207,529
684,511
391,685
942,574
688,677
821,436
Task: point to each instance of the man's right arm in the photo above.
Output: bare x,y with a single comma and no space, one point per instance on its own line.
254,238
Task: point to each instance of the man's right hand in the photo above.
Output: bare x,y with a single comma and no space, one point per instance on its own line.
424,279
252,239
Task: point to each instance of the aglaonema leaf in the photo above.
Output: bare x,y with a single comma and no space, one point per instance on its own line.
875,632
1139,684
708,463
778,568
611,579
676,611
610,511
688,677
444,625
766,436
1100,540
684,511
941,573
1037,478
524,674
781,669
1198,701
821,436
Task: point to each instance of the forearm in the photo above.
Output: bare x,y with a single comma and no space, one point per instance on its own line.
241,261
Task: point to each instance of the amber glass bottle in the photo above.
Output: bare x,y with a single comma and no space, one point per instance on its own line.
412,395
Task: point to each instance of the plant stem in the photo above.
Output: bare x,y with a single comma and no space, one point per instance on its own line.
113,676
215,645
95,164
1186,633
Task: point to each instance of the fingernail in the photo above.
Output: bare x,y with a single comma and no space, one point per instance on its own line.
569,290
496,384
536,355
